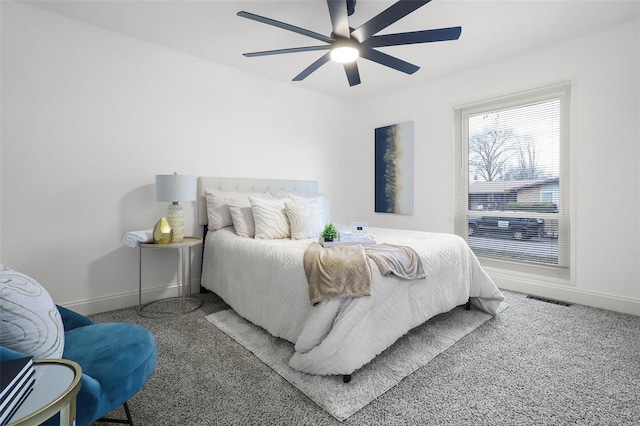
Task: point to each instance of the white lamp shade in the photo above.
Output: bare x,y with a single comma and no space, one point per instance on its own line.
176,188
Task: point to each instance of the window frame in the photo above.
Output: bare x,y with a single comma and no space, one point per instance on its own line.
565,216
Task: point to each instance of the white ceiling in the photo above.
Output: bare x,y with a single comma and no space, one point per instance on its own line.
210,29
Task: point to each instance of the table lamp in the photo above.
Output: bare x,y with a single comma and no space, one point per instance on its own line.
175,188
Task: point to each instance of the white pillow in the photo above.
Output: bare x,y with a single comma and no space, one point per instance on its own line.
306,217
218,214
242,217
270,217
30,321
312,196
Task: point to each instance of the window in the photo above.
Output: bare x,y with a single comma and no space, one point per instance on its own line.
512,180
546,196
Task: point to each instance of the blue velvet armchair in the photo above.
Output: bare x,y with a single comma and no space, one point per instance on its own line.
117,359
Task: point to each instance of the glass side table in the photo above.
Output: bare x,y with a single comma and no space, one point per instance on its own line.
167,307
57,382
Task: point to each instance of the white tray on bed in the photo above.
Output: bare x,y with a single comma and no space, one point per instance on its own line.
365,241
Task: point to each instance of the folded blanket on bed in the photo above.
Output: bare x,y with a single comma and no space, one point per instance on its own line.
342,271
401,261
335,272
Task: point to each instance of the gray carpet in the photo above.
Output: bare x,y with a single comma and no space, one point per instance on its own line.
413,351
535,364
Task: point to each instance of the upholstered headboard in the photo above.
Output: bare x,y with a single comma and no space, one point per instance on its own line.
248,185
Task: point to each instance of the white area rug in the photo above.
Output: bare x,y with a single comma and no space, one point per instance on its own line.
410,352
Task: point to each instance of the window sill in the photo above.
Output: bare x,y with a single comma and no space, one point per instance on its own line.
527,273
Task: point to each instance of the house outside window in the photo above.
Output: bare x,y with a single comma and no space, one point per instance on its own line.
512,180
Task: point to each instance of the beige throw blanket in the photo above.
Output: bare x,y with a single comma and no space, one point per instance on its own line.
343,271
334,272
401,261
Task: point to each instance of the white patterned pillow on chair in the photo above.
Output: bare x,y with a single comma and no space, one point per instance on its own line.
30,321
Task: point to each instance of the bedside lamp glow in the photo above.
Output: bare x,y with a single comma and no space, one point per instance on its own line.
175,188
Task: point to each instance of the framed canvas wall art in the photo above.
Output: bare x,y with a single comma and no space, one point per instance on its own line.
394,168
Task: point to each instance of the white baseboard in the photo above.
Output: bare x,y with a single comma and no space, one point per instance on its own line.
126,300
503,281
566,293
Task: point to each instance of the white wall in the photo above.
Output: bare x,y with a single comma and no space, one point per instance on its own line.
605,74
90,117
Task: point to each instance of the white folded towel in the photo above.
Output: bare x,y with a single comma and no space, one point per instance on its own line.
133,238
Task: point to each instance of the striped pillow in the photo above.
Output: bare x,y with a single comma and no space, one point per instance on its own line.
218,214
306,216
242,217
270,218
311,196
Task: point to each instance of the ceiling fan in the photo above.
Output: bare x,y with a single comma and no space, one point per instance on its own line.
346,44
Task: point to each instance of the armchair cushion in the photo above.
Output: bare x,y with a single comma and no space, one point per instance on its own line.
7,354
120,357
87,402
71,319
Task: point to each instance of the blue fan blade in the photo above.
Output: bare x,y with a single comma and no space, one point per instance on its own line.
352,73
339,20
389,61
289,50
284,26
311,68
385,18
426,36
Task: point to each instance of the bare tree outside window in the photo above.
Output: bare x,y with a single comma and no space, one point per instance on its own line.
527,168
497,153
489,151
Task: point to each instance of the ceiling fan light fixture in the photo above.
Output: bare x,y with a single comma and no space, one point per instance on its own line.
344,42
344,51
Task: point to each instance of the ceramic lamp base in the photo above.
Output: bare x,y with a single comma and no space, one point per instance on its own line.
175,217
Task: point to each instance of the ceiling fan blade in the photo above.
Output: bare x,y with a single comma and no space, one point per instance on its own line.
352,73
389,61
387,17
339,20
285,26
289,50
311,68
426,36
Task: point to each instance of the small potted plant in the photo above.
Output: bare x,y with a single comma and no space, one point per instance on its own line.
329,233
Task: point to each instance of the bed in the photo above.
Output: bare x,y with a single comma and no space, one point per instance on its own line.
264,281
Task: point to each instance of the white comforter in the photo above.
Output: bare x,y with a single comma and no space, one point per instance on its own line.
264,281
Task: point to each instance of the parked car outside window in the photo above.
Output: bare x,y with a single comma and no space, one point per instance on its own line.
517,228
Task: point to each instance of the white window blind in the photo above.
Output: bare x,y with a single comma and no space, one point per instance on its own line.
512,178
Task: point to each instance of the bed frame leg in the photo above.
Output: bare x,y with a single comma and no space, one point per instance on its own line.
346,378
468,305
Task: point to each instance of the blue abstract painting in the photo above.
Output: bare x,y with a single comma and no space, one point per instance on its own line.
394,169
